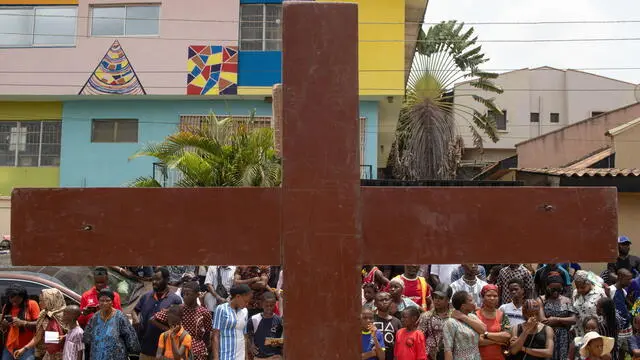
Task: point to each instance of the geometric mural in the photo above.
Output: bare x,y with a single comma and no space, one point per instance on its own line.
212,70
114,75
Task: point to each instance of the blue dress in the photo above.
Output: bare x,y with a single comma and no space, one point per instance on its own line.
113,339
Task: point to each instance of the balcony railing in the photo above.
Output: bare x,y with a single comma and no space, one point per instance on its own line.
170,177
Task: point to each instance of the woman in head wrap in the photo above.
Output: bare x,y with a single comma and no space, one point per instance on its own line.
557,312
533,340
50,320
399,302
498,331
585,298
109,333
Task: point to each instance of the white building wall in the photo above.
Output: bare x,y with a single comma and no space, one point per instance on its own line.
544,90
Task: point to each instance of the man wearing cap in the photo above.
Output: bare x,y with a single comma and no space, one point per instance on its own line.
624,260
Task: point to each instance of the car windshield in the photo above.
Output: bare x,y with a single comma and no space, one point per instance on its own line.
80,279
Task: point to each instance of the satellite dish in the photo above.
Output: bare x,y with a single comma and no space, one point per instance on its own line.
636,92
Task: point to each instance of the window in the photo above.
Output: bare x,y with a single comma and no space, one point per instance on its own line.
501,120
260,27
114,131
125,20
37,26
596,113
195,121
534,117
554,117
30,143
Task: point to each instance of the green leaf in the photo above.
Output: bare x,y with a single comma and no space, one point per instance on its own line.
486,85
218,152
144,182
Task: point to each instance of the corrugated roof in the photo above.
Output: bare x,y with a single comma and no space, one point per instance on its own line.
624,127
569,172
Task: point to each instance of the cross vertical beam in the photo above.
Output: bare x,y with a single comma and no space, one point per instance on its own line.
321,184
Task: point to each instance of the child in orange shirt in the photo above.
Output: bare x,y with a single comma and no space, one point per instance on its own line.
176,340
410,342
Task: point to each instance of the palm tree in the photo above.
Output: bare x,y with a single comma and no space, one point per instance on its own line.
216,153
427,145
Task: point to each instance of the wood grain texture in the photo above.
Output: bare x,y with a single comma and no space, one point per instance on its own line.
489,225
321,243
126,226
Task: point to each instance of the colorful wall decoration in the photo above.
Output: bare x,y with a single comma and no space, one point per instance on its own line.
114,75
212,70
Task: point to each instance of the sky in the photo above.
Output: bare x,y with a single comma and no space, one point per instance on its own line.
574,55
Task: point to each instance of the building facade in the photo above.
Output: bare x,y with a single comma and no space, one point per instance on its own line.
85,83
538,101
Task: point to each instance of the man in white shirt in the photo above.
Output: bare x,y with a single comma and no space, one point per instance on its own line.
470,282
215,276
513,310
443,272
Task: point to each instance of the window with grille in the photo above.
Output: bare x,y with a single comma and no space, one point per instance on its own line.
195,121
30,143
260,27
114,131
500,119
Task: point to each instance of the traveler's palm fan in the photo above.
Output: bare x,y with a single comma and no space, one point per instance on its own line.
427,145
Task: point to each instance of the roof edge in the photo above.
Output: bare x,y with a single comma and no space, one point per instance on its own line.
622,128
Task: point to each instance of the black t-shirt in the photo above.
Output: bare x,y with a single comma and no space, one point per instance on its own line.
388,329
267,328
631,263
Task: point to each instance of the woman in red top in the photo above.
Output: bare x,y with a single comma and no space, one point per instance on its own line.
19,317
410,343
50,320
498,328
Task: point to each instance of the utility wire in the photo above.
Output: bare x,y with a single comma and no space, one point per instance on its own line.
362,71
4,118
157,37
360,89
475,23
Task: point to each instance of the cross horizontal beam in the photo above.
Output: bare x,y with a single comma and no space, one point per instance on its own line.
411,225
124,226
488,225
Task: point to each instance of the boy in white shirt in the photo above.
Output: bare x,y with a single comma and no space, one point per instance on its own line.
513,310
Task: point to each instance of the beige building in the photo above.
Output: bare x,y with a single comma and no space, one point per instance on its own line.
599,151
538,101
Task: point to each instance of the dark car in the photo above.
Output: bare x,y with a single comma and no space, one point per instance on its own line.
76,279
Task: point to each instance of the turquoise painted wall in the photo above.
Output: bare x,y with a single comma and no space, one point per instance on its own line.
369,109
86,164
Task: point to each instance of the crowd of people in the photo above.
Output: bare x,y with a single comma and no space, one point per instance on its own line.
230,313
412,312
498,312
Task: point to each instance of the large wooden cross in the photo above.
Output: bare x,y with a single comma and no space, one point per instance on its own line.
321,224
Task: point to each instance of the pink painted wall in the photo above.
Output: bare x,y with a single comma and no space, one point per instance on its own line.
574,141
71,67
